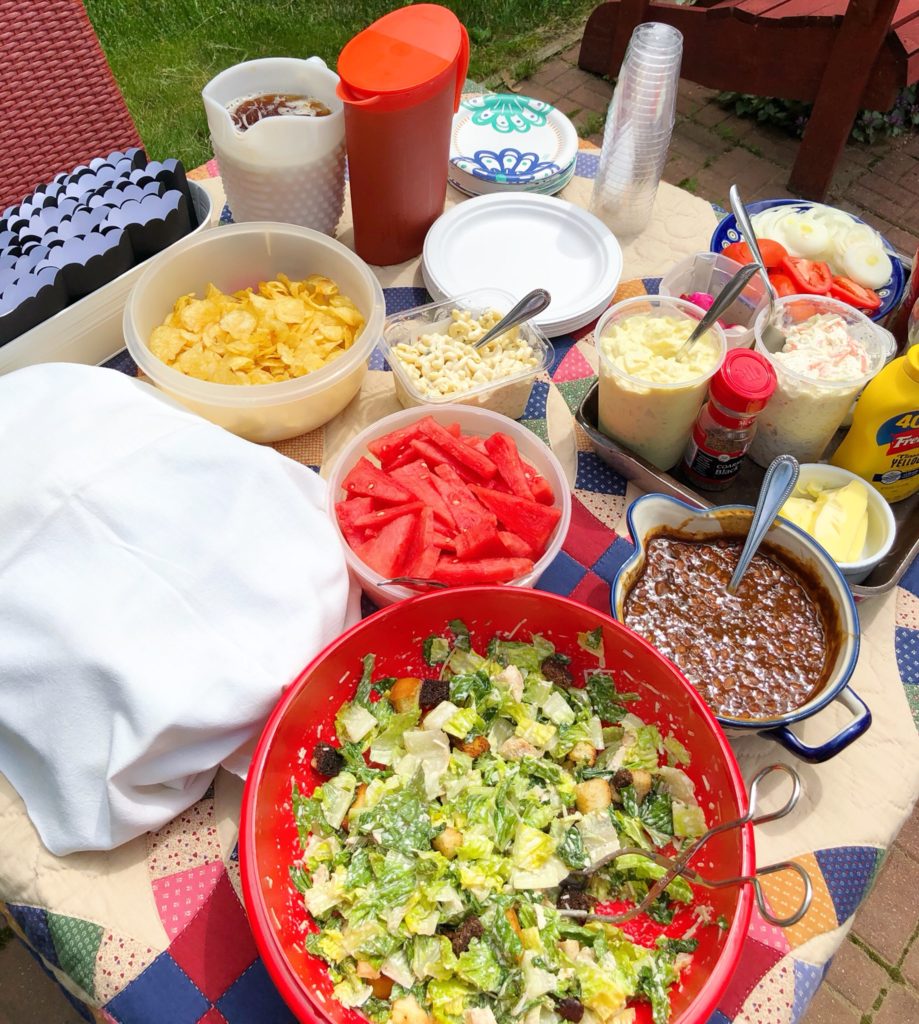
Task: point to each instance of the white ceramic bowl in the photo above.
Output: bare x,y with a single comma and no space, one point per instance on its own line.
471,421
236,257
882,527
655,513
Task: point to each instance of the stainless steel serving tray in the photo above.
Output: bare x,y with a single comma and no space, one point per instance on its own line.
744,491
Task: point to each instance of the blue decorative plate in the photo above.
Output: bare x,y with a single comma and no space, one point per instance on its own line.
727,232
502,141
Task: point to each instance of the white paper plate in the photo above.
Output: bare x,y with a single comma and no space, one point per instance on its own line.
509,140
521,242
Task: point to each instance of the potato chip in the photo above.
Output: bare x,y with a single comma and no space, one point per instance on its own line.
282,330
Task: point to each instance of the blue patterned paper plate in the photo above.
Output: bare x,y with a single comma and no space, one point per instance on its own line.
504,141
727,232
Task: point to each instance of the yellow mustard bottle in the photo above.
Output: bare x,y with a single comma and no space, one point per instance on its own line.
882,445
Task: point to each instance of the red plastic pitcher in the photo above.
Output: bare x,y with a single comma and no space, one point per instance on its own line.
401,81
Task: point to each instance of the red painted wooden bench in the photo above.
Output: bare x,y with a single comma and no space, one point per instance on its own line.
839,56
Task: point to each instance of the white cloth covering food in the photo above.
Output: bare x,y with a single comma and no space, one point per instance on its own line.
161,582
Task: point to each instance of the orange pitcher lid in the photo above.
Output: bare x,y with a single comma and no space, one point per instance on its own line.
401,52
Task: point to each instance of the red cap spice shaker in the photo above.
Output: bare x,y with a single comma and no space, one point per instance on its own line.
738,392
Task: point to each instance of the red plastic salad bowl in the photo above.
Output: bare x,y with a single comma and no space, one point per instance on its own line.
269,842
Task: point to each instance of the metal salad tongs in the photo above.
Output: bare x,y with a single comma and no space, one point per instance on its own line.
679,865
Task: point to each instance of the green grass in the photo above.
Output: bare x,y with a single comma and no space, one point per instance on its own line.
592,124
163,52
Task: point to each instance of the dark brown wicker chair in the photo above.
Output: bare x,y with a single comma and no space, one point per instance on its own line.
62,106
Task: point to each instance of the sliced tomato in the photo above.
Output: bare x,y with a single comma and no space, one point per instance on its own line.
782,283
772,252
485,570
528,519
847,290
809,277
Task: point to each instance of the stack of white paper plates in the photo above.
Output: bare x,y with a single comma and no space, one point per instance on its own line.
502,142
521,242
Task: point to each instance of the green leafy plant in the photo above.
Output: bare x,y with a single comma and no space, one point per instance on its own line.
792,115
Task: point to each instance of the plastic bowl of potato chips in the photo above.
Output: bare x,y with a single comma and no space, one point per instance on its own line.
262,328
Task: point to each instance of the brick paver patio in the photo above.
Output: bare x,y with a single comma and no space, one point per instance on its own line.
713,148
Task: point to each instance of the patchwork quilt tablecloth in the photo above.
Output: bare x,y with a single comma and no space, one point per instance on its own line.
155,931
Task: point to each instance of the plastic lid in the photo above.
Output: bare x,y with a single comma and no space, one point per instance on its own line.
745,381
911,362
401,51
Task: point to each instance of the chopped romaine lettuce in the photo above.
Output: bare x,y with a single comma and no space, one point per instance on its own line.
608,703
337,796
478,965
688,820
353,722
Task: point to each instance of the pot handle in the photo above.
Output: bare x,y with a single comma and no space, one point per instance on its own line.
835,744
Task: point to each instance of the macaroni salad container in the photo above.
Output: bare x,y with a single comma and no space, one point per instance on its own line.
508,395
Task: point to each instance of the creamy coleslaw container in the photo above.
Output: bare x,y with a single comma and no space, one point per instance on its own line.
653,418
806,410
508,396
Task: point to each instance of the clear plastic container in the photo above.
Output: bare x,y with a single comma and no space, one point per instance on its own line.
236,257
508,396
651,418
805,411
710,272
472,421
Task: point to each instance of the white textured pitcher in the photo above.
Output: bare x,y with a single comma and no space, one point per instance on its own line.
281,168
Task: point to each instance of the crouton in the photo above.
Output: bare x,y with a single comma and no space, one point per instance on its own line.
404,694
475,747
381,987
460,938
432,693
556,670
327,760
583,753
515,748
592,795
448,842
641,783
407,1010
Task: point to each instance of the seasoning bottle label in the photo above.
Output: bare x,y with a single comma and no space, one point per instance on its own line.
714,466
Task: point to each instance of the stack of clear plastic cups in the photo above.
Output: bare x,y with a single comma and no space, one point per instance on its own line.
638,129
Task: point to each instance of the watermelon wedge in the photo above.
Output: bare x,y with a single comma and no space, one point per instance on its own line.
480,464
528,519
347,513
364,478
388,551
503,452
418,478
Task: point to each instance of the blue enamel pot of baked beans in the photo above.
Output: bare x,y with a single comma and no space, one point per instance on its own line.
655,515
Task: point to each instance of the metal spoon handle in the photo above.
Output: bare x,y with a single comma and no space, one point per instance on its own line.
746,229
778,483
722,301
530,305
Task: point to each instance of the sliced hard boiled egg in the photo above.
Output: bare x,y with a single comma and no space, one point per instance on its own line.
867,265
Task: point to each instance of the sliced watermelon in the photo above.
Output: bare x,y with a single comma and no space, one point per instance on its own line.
375,519
402,458
435,457
515,546
480,541
347,513
424,553
528,519
485,570
443,542
455,429
479,464
388,551
386,448
364,478
466,510
417,478
539,486
503,452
